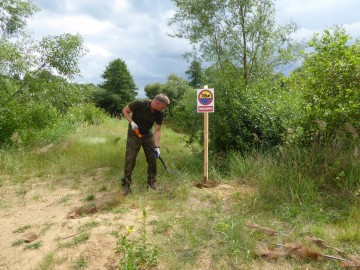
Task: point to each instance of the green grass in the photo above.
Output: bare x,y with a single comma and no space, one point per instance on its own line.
80,263
35,245
75,241
289,192
88,226
18,243
22,229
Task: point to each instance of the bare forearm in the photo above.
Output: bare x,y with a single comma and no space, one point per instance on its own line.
157,135
126,112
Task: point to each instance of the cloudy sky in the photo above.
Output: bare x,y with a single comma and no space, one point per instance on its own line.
135,31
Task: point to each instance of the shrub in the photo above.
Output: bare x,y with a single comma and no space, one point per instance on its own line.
329,85
245,117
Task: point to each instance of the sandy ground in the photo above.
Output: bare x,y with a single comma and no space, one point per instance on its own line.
50,218
37,220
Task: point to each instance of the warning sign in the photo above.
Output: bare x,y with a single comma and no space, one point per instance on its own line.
205,100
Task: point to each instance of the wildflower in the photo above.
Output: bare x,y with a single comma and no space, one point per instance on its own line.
129,229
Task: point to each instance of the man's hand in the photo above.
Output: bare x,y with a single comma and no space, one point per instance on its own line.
157,151
134,125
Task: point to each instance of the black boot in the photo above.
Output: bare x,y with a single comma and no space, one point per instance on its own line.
153,185
125,186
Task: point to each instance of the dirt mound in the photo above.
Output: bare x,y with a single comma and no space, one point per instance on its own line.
105,202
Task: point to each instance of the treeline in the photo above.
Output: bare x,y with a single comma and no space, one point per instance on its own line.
238,50
256,106
39,102
308,121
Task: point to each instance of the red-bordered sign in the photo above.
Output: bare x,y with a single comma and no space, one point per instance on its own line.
205,100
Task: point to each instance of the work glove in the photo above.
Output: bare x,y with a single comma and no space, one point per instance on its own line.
134,125
157,151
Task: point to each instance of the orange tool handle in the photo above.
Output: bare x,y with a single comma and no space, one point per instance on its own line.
138,133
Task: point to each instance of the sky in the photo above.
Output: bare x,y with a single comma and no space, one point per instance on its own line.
136,32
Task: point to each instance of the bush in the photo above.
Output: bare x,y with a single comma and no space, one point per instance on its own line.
245,117
86,113
328,83
41,123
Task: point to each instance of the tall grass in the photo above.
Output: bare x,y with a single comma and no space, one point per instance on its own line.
301,181
192,226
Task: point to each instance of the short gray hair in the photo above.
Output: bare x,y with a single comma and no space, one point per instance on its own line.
162,98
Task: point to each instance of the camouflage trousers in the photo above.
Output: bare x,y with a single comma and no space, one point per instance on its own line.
133,145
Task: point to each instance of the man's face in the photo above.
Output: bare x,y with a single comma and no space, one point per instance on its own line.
157,105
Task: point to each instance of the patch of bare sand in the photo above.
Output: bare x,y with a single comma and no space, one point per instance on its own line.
225,191
55,215
43,212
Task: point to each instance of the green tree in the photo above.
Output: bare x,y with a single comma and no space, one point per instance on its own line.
195,74
152,90
54,54
13,15
13,38
174,88
35,92
329,84
119,87
237,32
244,47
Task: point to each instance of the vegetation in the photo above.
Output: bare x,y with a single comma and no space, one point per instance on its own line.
239,34
243,46
329,86
258,200
137,253
284,151
174,88
195,74
38,104
118,88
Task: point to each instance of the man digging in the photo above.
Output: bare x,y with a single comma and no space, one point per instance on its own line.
142,114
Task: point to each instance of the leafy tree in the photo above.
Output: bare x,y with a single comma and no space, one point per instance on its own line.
13,15
237,32
56,55
329,84
195,74
119,87
174,88
244,46
13,39
35,92
152,90
57,91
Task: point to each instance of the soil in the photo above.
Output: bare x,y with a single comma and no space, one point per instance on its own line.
36,224
39,221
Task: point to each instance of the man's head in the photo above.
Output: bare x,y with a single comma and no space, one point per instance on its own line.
160,102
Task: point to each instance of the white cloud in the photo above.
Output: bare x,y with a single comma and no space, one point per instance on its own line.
97,50
135,31
353,29
82,24
120,5
318,14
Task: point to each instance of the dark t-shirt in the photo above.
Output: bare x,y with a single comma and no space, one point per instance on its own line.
143,117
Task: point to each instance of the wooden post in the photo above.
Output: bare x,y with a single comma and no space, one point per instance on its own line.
206,144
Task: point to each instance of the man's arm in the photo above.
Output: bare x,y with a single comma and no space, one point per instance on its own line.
126,112
157,135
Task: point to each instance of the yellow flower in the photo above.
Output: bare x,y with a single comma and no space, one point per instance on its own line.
129,229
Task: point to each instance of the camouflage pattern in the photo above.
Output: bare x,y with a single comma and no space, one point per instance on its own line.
133,145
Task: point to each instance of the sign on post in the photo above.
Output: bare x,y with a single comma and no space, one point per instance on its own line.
205,104
205,100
